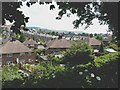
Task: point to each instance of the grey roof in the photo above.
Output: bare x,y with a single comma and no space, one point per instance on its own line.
59,43
14,47
92,41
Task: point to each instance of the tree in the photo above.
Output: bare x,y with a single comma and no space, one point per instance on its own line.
84,34
80,53
91,35
99,37
21,37
103,11
53,33
95,34
101,48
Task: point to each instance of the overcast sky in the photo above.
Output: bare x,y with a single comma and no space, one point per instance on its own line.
41,16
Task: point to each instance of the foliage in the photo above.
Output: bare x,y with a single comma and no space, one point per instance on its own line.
10,12
86,12
99,37
39,51
42,42
114,46
54,60
80,53
21,37
101,48
100,61
10,73
47,74
91,35
50,74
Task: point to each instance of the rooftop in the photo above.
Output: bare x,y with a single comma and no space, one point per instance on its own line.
14,47
30,41
59,43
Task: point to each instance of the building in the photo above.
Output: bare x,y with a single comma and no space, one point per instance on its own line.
57,45
14,51
31,44
94,43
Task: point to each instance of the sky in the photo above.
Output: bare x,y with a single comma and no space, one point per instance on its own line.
42,16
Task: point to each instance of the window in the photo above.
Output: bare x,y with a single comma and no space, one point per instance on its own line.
10,55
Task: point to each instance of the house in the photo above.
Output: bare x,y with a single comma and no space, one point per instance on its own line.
57,45
94,43
31,44
14,51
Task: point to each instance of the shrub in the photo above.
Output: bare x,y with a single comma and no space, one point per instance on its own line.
80,53
10,73
114,46
100,61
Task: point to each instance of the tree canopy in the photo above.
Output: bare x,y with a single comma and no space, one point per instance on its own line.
86,11
80,53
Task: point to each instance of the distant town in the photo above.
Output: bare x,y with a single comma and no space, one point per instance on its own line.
49,42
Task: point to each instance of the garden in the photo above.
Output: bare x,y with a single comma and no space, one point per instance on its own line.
79,68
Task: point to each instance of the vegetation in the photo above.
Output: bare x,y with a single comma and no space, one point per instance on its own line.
114,46
80,53
21,37
39,52
101,48
10,73
100,61
91,35
47,74
99,37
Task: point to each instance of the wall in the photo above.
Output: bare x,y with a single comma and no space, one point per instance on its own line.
25,57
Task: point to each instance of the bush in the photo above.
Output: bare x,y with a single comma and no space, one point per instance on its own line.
107,68
54,60
10,73
114,46
49,74
100,61
80,53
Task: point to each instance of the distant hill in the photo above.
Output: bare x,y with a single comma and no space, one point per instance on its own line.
49,30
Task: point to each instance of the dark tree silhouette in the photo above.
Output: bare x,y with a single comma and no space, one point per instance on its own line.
106,12
91,35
